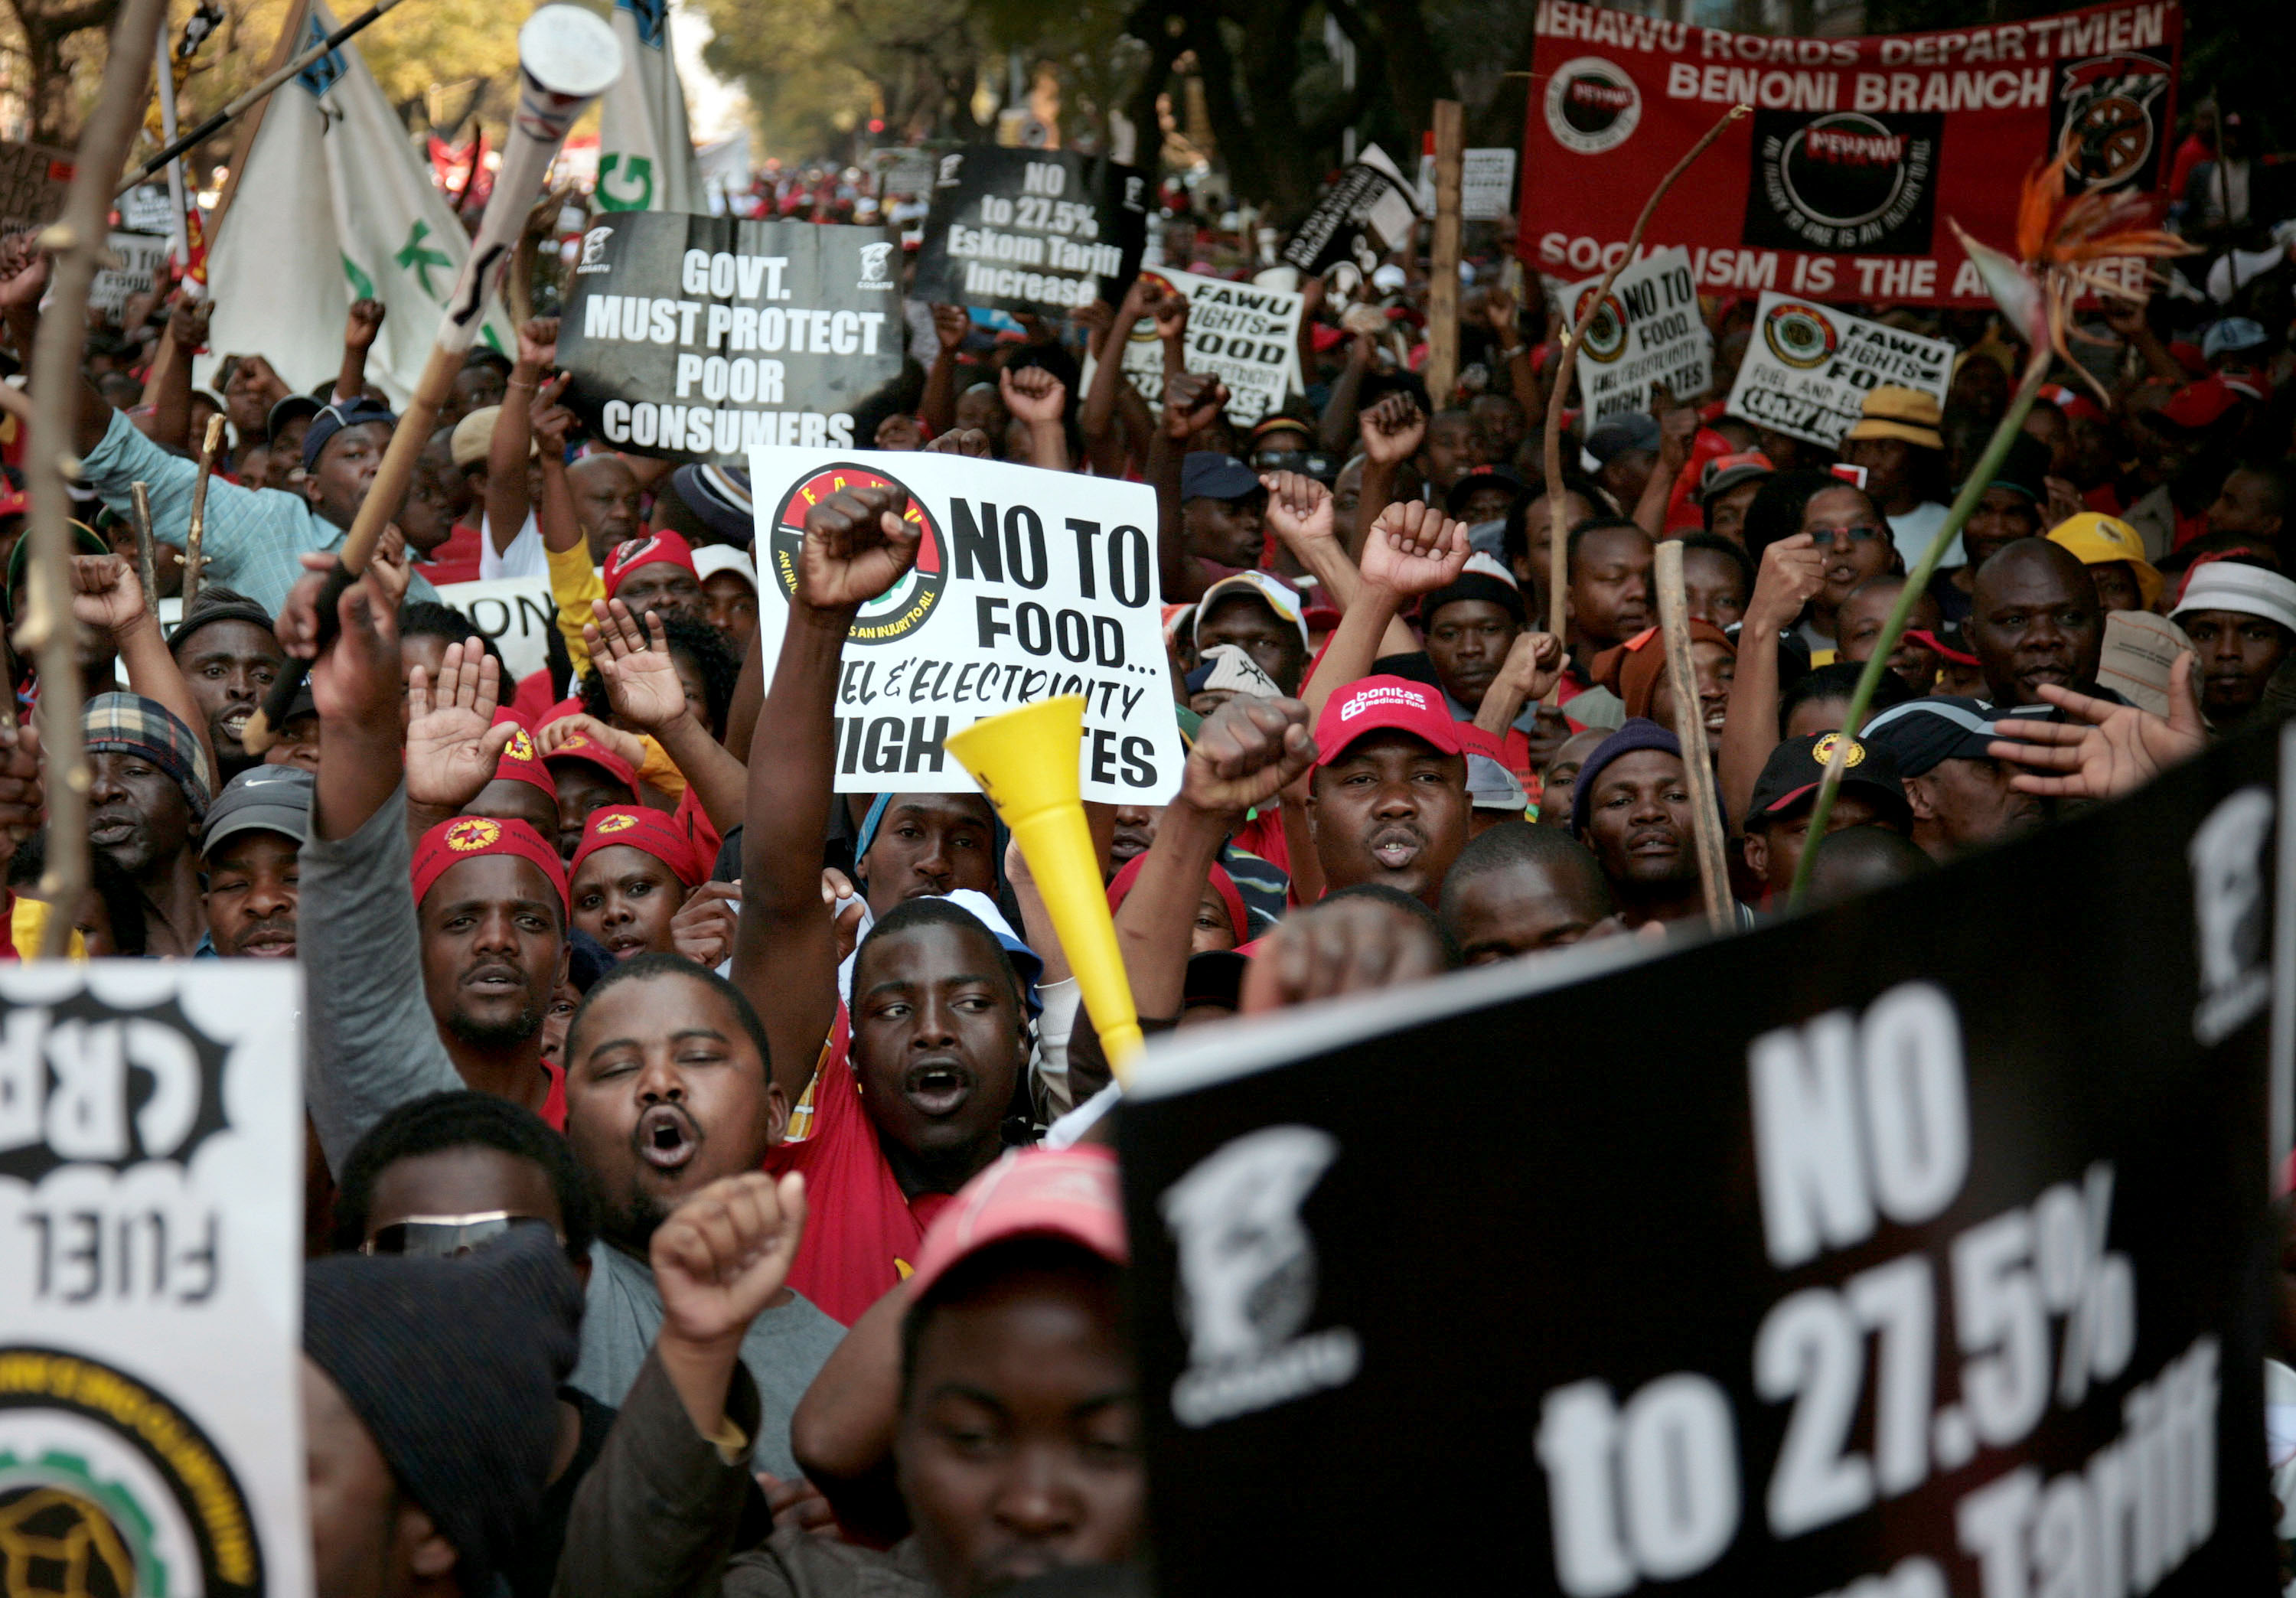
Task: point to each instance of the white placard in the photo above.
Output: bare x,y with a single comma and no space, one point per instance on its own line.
1246,336
140,258
518,613
1028,584
1648,331
1485,184
1809,367
152,1269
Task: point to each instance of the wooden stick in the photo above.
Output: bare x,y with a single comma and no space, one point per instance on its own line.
75,240
199,522
1558,553
1690,727
147,565
1443,267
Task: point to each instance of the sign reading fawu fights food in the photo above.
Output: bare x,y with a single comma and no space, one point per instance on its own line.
1028,584
1648,331
1934,1270
1838,186
1246,336
702,338
1042,231
150,1279
1808,368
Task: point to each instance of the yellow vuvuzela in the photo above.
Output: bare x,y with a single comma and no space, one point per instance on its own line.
1025,761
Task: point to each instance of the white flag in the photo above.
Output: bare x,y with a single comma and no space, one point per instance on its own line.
645,149
334,206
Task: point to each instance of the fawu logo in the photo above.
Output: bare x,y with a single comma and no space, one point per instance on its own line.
593,251
876,268
2231,912
1248,1278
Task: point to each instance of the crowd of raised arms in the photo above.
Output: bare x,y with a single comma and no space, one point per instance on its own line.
602,974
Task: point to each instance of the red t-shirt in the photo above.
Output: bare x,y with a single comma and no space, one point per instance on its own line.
553,1102
533,703
861,1232
456,560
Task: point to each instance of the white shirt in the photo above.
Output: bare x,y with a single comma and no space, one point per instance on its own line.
1912,531
525,557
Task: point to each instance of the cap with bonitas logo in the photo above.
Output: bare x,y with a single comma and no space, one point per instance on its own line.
1384,704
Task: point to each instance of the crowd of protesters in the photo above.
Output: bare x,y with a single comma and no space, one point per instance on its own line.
770,1118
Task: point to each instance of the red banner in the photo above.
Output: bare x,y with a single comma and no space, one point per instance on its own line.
1839,185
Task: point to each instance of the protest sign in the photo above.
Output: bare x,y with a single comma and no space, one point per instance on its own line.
1043,231
516,613
1932,1269
1246,336
1366,213
141,256
148,209
902,171
703,337
1647,331
33,178
1808,368
1485,184
151,1278
1028,584
1839,183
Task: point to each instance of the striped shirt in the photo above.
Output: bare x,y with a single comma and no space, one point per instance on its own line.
254,536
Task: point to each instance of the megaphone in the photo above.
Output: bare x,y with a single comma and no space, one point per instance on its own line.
1025,761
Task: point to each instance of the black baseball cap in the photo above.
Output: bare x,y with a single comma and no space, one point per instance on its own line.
1207,474
1789,778
262,799
290,409
333,419
1483,477
1922,732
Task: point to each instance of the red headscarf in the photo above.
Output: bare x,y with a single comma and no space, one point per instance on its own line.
638,828
1121,887
467,837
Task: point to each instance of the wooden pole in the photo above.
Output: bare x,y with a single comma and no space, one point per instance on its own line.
1557,554
75,241
147,565
1690,727
1443,267
198,526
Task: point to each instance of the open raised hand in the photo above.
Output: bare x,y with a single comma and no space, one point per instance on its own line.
452,742
632,658
2111,750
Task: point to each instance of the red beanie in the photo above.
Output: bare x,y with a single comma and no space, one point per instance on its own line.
639,828
466,837
645,550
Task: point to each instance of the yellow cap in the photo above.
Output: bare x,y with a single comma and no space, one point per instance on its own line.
2097,539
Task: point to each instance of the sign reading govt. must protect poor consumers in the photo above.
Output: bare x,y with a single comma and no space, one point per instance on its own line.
1043,231
1808,368
1028,584
150,1279
702,338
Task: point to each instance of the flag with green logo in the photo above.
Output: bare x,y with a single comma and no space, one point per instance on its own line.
645,148
334,206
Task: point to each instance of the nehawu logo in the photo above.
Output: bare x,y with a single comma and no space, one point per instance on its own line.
82,1083
876,265
1247,1265
2231,913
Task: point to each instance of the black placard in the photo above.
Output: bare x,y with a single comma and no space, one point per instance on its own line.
1367,212
702,338
1042,231
1749,1269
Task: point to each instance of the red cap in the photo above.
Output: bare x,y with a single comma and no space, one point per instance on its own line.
521,762
1120,886
2077,407
627,556
640,828
467,837
581,746
1067,1194
2198,405
1380,704
14,501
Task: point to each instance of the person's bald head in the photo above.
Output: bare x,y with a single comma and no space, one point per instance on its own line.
606,501
2035,619
1861,860
1517,889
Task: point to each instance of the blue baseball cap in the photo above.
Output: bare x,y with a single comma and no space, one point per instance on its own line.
333,419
